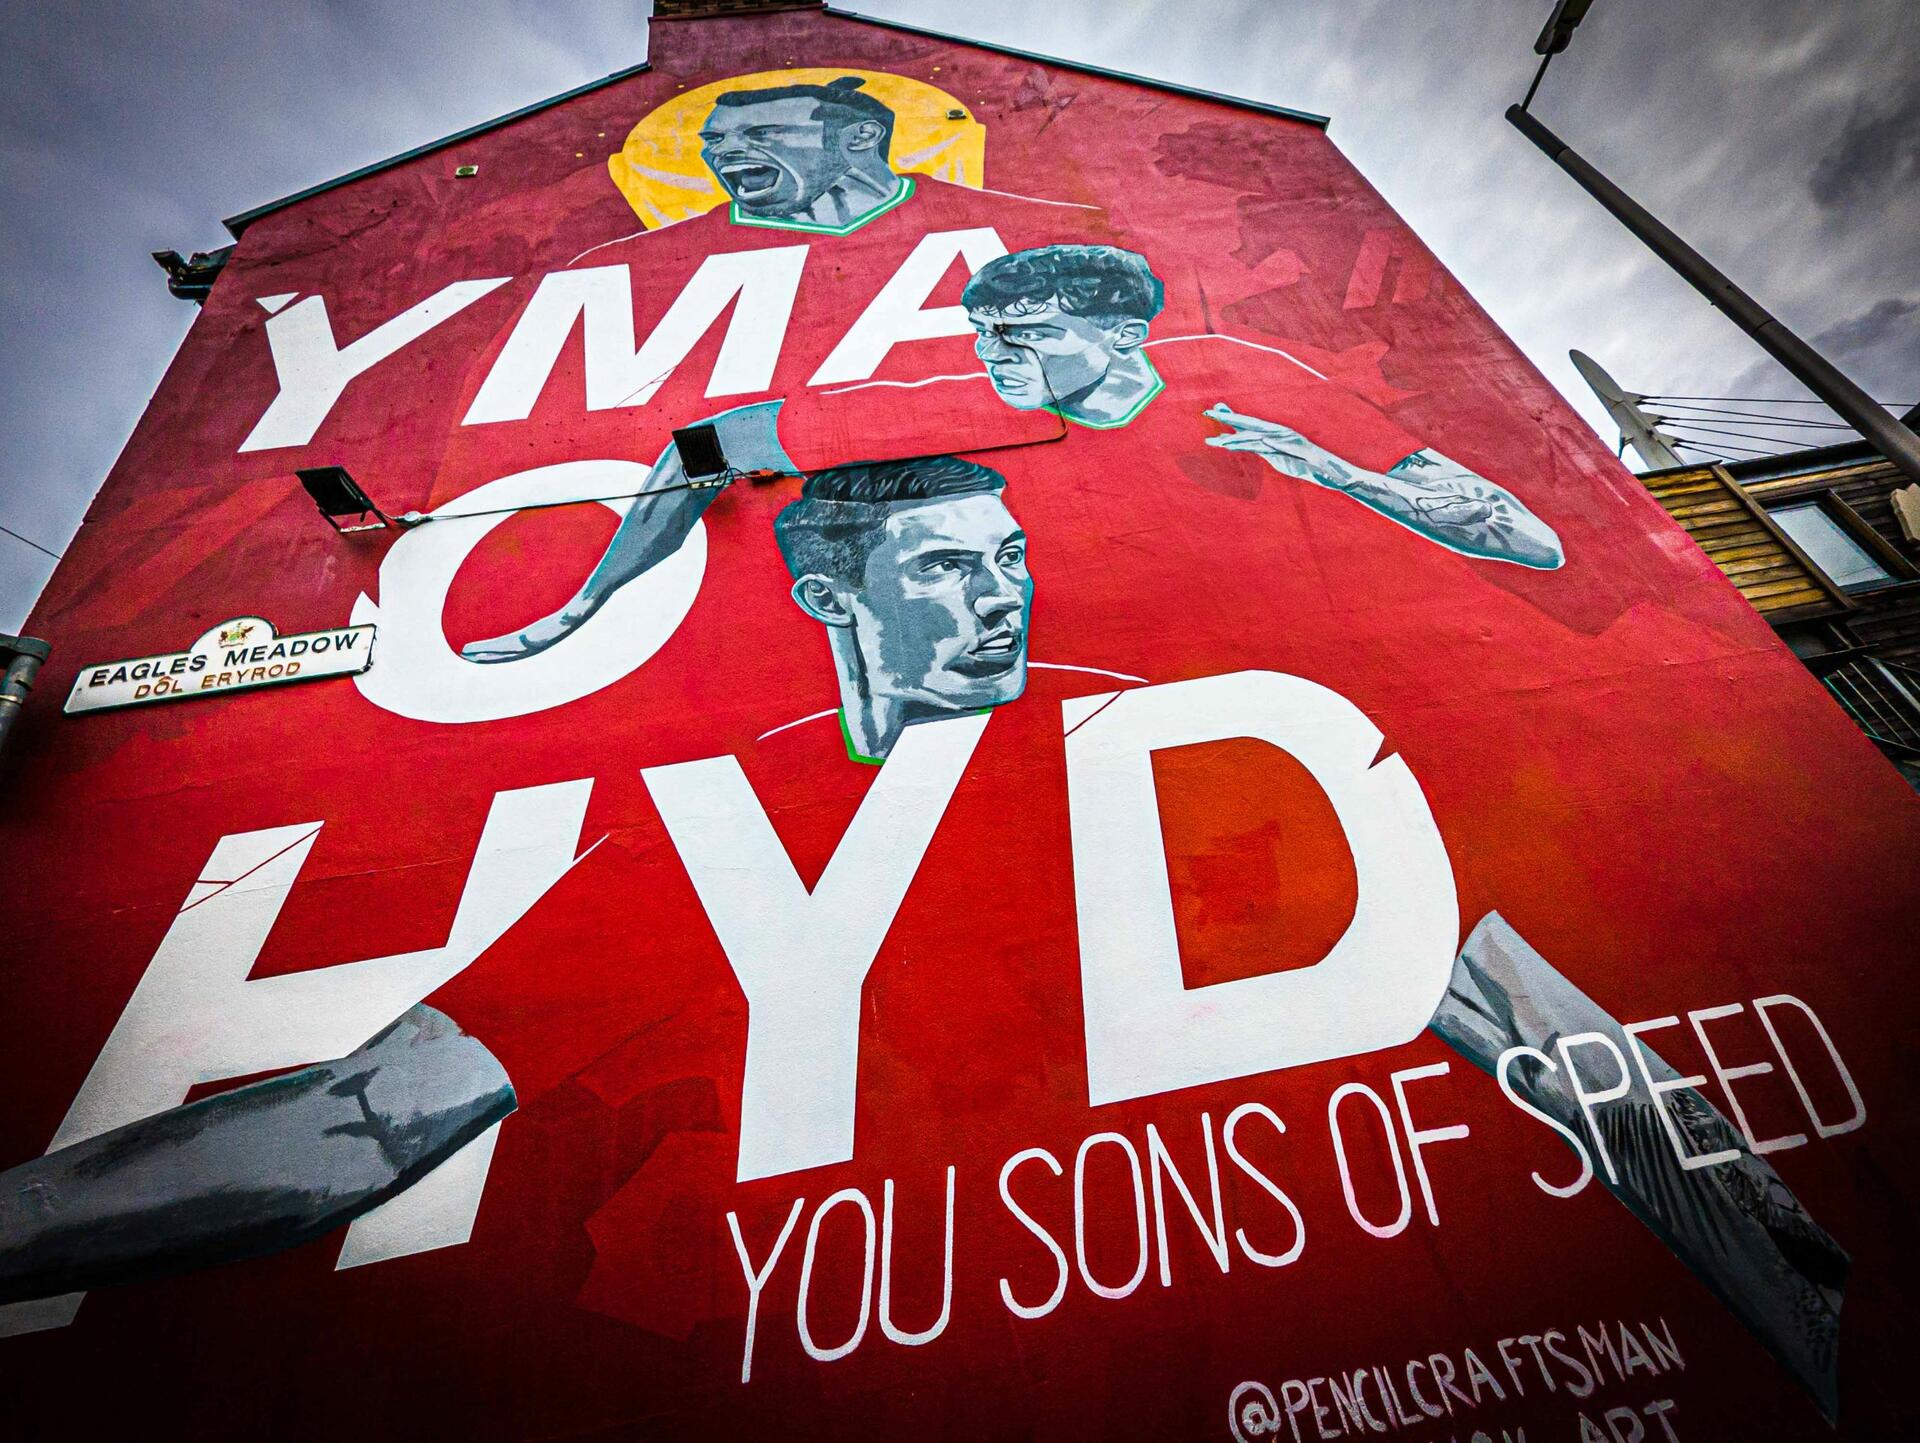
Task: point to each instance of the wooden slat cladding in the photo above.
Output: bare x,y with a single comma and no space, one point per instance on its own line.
1739,539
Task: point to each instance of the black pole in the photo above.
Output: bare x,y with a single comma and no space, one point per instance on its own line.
22,655
1813,370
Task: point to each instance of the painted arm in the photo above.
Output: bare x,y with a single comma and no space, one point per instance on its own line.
1427,493
655,526
263,1167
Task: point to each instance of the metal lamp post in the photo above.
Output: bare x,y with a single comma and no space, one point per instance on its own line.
1813,370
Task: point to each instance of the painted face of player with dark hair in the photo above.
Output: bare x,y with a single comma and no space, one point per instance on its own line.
1037,354
941,613
777,157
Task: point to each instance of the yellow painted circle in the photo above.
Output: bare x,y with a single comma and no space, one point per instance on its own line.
660,172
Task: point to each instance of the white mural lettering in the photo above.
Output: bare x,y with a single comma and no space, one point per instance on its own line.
757,1277
760,285
1027,1221
196,1017
900,311
1147,1031
422,677
893,1332
314,369
819,1354
802,957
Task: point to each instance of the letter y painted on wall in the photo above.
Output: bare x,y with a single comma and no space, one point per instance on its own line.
802,957
314,368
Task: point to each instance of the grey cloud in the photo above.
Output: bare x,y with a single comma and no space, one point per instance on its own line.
1887,322
1876,150
1878,347
133,127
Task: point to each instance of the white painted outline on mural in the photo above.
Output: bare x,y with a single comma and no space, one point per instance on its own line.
422,677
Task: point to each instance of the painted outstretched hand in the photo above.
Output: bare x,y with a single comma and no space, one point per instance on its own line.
1440,499
657,523
1281,447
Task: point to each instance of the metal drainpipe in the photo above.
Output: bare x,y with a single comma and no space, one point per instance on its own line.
23,656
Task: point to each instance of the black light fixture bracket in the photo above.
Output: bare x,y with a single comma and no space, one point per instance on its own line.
192,278
337,494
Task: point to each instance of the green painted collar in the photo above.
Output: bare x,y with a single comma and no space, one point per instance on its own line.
898,198
1132,411
853,751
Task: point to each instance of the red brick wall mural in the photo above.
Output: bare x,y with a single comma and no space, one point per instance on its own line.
1136,833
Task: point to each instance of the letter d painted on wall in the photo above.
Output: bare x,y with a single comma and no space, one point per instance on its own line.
1147,1031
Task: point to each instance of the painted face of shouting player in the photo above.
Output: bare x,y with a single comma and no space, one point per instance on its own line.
778,158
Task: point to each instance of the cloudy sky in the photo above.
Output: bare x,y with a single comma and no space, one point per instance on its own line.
1782,137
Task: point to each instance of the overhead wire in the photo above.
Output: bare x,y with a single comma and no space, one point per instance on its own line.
1765,400
1716,425
1791,443
727,477
1725,446
1723,412
1716,433
29,541
1709,452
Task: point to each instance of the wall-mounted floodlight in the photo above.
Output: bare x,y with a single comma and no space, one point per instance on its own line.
337,494
701,457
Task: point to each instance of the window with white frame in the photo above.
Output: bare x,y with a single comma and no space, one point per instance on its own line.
1831,547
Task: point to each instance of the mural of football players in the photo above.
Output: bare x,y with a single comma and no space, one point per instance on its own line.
815,154
1066,328
1061,328
919,573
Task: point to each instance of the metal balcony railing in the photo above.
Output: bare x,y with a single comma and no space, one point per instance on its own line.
1883,698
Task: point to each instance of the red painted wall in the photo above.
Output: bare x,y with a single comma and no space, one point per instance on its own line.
1620,758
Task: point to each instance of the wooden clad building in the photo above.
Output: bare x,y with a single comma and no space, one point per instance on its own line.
1825,544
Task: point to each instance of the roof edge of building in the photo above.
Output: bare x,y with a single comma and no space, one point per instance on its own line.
745,12
1775,467
1781,466
1795,463
236,224
1192,91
